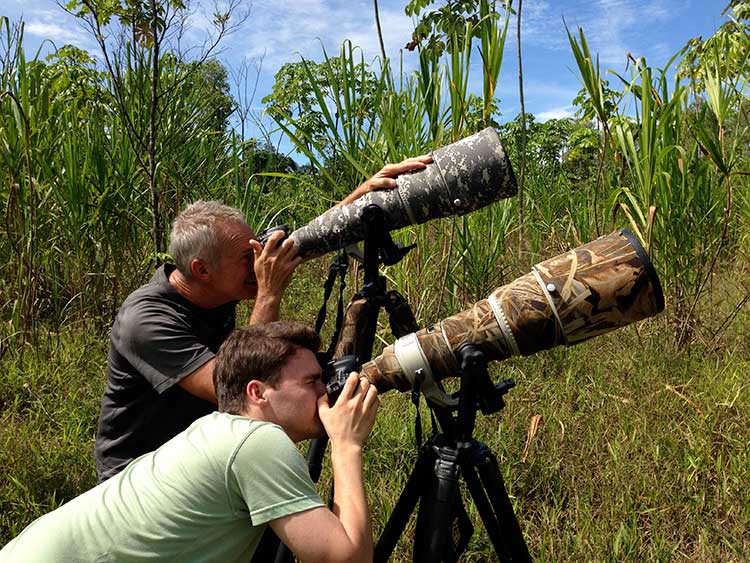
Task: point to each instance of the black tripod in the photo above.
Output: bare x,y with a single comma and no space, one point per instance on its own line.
434,481
355,338
452,453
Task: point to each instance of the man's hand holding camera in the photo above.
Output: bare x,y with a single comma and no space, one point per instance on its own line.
274,264
348,423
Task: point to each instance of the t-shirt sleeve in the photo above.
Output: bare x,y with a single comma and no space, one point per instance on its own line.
159,343
270,476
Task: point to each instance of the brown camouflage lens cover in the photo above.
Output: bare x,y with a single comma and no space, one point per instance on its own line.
591,290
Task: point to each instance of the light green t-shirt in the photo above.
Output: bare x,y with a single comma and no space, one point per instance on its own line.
206,495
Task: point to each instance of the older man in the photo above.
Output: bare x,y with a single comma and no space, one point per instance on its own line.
163,341
208,493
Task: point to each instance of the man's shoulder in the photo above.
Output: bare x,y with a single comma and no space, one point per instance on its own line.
233,441
268,447
270,475
157,288
241,428
157,297
235,426
240,436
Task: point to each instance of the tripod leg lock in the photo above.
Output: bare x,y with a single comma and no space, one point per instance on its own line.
446,472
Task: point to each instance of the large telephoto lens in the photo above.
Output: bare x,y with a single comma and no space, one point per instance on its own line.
591,290
466,175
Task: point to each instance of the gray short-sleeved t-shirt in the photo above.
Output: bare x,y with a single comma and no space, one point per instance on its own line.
158,338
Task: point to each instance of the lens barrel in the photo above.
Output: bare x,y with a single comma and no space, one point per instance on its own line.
591,290
464,176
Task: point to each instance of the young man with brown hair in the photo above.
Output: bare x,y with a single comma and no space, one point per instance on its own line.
208,493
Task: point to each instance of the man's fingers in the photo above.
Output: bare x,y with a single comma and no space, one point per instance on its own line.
276,236
371,398
382,183
275,248
414,163
363,387
288,248
256,246
351,384
323,404
385,179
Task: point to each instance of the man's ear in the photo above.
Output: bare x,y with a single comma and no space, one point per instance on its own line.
199,269
254,392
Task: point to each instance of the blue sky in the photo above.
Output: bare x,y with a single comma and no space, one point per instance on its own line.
279,31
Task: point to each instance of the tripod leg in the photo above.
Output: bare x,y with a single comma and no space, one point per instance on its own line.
489,519
436,510
405,506
489,473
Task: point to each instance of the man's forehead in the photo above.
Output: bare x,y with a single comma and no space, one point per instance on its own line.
234,242
301,364
231,229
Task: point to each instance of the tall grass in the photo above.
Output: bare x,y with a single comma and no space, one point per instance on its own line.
642,451
676,194
76,209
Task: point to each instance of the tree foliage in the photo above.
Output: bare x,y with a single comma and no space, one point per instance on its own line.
729,47
304,91
443,28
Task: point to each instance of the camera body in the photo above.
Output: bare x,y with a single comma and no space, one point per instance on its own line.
265,235
336,373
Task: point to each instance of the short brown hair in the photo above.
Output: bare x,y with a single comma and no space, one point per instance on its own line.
256,352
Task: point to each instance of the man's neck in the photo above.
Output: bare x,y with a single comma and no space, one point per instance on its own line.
259,414
255,414
192,290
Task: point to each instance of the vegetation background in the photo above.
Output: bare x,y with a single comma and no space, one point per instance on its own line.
632,446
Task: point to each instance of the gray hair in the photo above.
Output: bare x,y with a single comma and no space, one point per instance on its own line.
195,233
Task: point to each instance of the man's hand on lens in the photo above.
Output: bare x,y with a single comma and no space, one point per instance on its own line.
386,177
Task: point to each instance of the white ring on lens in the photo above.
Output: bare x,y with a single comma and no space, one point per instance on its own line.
502,322
413,363
551,301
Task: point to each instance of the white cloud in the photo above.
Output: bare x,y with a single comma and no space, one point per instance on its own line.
47,25
555,113
281,31
53,31
57,26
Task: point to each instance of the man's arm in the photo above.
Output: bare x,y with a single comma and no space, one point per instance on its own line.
274,265
346,533
385,179
201,382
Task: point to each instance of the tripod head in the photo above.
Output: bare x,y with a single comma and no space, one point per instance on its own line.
489,396
379,248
